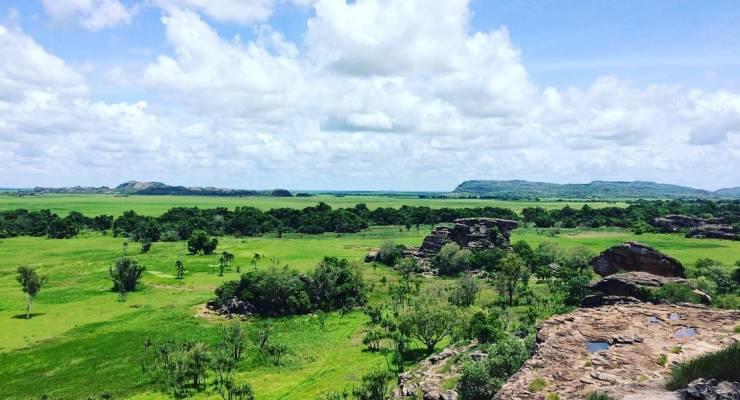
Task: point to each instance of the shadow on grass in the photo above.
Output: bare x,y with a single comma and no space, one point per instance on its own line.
32,315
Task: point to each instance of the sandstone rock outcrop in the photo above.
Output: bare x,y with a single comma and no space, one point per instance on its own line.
712,389
639,284
630,340
428,379
633,256
471,233
713,228
725,232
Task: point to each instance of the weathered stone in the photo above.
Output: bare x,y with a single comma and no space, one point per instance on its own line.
371,255
598,300
478,355
627,369
713,232
232,306
712,389
639,284
471,233
633,256
675,222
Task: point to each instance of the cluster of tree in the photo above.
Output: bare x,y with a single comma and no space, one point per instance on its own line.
636,213
183,367
334,284
22,222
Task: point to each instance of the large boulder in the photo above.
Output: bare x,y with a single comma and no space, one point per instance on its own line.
639,285
471,233
675,223
633,256
712,389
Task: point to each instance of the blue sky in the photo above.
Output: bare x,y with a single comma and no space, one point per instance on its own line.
329,94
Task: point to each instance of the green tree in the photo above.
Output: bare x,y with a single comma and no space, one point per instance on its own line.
125,274
512,275
180,268
428,320
200,242
465,290
31,284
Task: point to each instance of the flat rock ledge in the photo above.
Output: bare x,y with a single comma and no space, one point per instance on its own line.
636,335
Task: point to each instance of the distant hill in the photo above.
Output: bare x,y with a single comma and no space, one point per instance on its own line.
595,189
159,188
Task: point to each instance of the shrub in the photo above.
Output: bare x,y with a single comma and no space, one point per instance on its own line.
125,274
538,384
200,242
662,360
335,284
465,290
451,260
481,380
722,365
390,253
599,396
676,293
375,386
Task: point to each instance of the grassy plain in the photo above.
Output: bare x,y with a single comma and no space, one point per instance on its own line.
81,341
156,205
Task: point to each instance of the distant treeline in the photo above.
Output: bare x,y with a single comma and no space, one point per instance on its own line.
178,223
635,212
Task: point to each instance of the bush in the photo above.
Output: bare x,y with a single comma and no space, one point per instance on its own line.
375,386
452,260
676,293
722,365
481,380
390,253
465,290
200,242
335,284
125,274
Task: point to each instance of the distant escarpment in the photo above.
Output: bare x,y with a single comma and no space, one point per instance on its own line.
593,190
159,188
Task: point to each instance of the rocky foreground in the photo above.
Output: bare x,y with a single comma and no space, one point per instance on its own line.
626,344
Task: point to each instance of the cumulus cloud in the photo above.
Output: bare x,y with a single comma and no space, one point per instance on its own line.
92,15
381,94
245,12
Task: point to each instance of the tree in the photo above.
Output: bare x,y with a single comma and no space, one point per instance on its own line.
374,386
465,290
451,259
429,321
125,274
200,242
255,259
511,275
180,267
31,284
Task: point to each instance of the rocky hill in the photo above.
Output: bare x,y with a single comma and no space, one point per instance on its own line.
159,188
595,189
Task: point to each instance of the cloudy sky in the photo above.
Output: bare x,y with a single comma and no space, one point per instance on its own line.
368,94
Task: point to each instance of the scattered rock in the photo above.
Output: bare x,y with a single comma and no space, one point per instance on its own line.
627,369
233,306
371,255
715,228
633,256
478,355
712,389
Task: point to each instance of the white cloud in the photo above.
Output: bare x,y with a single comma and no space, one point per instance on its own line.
382,94
93,15
241,11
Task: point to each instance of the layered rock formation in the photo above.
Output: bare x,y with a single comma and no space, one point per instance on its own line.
629,340
639,285
471,233
695,227
633,256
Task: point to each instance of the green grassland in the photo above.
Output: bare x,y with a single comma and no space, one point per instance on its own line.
156,205
81,341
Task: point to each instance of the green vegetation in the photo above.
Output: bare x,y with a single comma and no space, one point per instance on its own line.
538,384
314,340
662,360
158,205
599,396
722,365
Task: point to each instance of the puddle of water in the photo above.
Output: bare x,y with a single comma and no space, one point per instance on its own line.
595,347
685,332
674,317
653,320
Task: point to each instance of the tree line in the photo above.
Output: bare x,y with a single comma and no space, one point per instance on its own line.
180,222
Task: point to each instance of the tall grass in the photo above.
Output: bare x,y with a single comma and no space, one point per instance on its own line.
724,365
599,396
